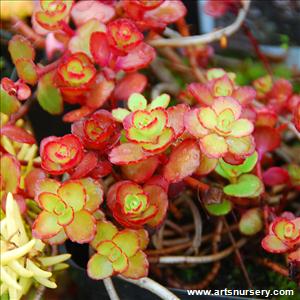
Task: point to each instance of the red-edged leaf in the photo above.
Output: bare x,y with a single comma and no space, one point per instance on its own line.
99,48
17,134
129,84
138,58
266,139
87,164
84,11
127,153
184,161
77,114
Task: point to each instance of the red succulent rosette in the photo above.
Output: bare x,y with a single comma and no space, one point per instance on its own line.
121,47
52,13
154,14
98,132
284,234
60,154
134,206
75,76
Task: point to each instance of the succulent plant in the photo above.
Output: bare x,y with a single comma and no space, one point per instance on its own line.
118,252
23,260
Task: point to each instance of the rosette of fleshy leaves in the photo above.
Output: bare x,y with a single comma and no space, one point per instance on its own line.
67,210
118,252
283,236
220,84
60,154
220,128
98,132
75,76
121,47
134,206
148,128
23,260
53,14
154,14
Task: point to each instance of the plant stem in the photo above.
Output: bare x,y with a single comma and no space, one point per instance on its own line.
208,37
198,259
273,266
21,111
21,27
110,289
239,256
42,70
196,184
153,287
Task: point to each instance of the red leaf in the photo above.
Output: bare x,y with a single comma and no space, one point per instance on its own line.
17,134
184,160
275,176
77,114
99,48
138,58
266,139
87,164
129,84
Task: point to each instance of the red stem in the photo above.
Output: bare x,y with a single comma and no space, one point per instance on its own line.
196,184
255,45
48,68
67,29
21,27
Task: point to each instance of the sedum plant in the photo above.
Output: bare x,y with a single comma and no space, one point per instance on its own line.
151,130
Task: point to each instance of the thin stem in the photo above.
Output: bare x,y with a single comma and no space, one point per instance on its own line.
110,289
239,256
198,259
21,27
153,287
208,37
39,292
273,266
21,111
42,70
196,184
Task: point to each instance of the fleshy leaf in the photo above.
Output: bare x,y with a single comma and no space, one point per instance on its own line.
49,96
26,70
219,209
137,102
251,222
73,194
99,267
160,101
248,186
45,226
273,244
213,145
8,103
83,227
228,171
137,266
183,162
17,134
10,173
20,47
105,231
127,240
127,153
94,194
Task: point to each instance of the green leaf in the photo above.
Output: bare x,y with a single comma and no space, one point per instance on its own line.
251,222
160,101
49,97
8,104
20,47
232,171
219,209
137,102
248,186
26,70
120,114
